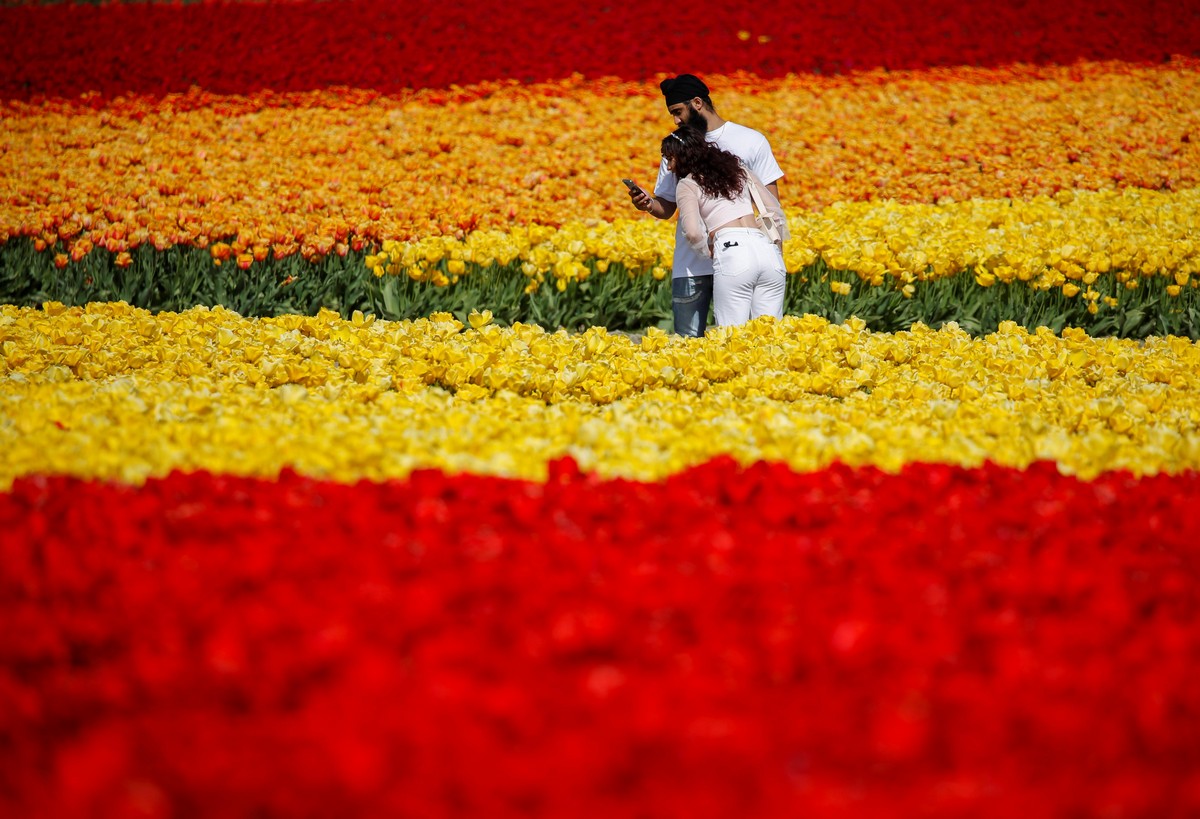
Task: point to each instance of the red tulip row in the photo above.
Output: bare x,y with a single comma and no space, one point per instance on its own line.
729,642
66,49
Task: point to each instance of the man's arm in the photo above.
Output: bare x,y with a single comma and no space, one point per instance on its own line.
656,207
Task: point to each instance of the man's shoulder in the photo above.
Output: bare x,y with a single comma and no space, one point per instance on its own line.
754,149
741,132
742,141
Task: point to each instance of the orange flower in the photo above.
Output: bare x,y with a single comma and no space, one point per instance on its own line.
958,133
80,249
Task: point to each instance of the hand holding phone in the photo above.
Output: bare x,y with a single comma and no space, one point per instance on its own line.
635,193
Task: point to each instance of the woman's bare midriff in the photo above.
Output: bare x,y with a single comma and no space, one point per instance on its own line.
742,222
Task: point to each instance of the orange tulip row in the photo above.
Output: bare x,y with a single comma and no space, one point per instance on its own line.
273,175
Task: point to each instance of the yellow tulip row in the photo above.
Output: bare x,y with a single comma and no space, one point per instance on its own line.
113,392
320,173
565,254
1066,242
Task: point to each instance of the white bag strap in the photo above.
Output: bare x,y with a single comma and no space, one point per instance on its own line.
759,204
764,213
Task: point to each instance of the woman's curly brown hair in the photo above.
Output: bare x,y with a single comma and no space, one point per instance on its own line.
717,172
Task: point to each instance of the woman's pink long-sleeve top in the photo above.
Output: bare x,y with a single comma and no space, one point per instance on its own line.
700,213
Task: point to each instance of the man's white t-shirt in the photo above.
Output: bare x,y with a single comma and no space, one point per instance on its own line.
747,145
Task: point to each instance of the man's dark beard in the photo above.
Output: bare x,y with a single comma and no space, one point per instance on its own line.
695,120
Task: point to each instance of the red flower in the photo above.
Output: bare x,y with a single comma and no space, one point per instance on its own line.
234,48
943,642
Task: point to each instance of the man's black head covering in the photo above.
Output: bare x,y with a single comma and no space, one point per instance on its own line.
683,88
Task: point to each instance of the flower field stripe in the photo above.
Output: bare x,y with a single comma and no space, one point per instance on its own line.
1066,242
306,172
847,643
115,393
159,48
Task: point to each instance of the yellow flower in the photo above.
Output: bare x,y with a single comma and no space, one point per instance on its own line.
119,381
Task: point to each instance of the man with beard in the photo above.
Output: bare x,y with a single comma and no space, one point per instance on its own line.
689,104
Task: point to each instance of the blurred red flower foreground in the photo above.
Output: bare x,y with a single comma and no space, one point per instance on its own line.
728,642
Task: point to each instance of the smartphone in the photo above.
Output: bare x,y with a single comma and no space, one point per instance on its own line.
633,187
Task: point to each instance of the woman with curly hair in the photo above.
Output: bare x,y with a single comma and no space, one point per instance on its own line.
717,215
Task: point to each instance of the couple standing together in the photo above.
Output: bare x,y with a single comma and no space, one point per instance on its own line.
722,257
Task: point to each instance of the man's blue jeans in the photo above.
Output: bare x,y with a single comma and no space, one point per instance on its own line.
690,300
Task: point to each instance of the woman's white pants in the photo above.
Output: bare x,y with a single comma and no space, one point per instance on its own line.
749,278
